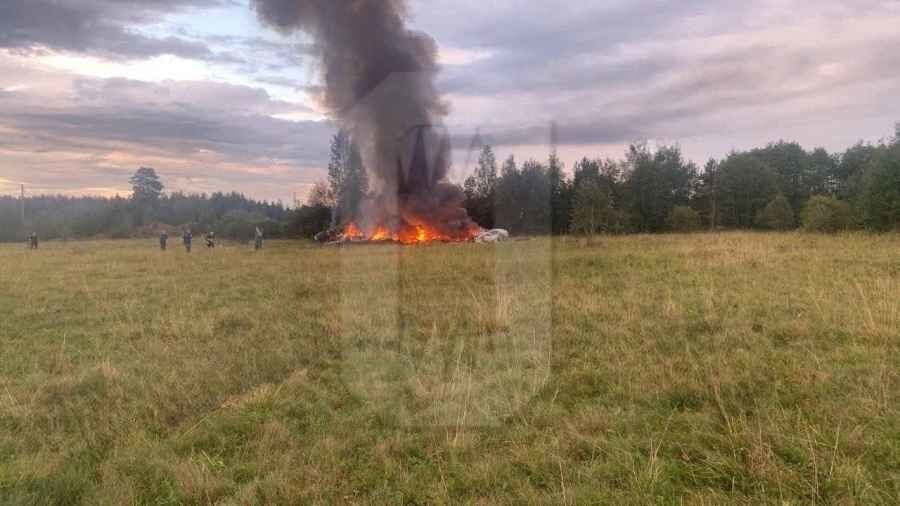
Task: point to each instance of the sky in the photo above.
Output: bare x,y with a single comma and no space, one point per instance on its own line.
202,91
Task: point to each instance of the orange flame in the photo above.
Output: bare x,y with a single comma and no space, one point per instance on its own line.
409,235
353,232
381,234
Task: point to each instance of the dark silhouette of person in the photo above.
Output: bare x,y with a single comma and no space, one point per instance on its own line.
259,239
33,240
187,237
211,240
163,240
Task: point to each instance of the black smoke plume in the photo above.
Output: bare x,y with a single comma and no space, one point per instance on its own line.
379,80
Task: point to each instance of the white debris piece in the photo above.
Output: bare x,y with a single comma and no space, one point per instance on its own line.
495,235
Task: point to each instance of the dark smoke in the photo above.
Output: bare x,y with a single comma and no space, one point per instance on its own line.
379,81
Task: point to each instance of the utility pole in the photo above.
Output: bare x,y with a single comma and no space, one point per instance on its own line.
22,202
715,202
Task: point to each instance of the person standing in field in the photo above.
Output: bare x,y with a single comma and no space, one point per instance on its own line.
163,240
187,237
259,239
33,241
210,239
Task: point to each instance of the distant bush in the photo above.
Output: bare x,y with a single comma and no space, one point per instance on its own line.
880,202
683,219
307,221
826,214
777,215
593,211
240,224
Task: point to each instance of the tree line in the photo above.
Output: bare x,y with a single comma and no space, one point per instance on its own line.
780,186
144,213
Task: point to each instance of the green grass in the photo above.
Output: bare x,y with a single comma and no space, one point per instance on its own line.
680,369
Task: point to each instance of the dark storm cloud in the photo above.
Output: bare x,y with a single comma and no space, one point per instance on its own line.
257,55
173,117
612,74
243,139
541,47
105,28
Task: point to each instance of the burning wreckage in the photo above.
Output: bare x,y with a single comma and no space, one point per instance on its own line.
417,209
379,85
353,235
421,235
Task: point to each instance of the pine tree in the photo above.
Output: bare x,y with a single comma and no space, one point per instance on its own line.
560,195
486,173
146,191
347,178
336,173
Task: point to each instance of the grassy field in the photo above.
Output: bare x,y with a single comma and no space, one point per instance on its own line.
679,369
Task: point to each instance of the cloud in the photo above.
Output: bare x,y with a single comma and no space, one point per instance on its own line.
107,28
62,131
621,71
